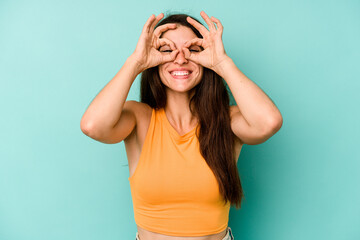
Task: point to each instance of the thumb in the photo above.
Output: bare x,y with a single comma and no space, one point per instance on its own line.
171,56
191,56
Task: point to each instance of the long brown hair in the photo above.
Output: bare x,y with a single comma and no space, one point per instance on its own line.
211,105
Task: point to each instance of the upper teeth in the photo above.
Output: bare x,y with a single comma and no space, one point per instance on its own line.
180,73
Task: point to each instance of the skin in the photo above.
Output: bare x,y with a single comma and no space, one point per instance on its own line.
179,91
258,118
254,119
177,45
147,55
112,119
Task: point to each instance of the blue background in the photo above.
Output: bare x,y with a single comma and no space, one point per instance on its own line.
55,56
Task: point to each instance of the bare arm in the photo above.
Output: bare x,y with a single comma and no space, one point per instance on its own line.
109,118
255,118
105,109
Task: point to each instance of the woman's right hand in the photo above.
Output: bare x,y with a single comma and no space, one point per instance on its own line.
147,52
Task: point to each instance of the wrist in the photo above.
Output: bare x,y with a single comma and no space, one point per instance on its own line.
223,65
135,64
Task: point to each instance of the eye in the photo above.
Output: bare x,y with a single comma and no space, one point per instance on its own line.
195,49
166,51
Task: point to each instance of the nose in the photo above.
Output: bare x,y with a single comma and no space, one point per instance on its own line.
180,58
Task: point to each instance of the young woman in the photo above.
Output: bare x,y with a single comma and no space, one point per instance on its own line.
183,139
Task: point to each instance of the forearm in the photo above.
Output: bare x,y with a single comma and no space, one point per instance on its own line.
255,106
105,109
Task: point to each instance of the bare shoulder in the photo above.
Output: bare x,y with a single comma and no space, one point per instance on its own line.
139,109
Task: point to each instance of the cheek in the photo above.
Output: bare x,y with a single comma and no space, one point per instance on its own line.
162,70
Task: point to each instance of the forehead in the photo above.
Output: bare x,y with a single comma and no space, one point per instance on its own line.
179,35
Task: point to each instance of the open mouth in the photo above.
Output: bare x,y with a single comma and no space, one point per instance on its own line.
180,74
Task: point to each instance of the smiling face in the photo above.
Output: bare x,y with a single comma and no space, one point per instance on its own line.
181,74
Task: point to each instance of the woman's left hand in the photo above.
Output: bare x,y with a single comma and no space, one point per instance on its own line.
214,52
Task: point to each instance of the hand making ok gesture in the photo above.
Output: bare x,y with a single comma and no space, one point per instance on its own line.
146,52
214,52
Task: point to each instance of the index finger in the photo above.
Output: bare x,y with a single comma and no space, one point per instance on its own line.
196,41
159,30
165,41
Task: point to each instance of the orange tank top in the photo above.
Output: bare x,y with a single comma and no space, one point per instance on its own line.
174,191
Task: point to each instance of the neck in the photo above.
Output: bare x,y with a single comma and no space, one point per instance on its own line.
178,111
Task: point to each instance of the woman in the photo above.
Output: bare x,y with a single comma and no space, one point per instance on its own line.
183,139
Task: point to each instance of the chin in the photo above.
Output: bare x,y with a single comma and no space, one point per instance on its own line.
180,89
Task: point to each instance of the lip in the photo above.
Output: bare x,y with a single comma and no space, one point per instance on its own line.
180,69
180,76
